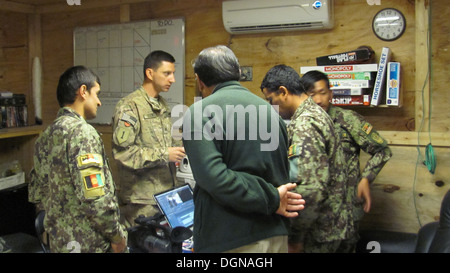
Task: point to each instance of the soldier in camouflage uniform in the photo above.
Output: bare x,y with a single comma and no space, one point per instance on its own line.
142,142
316,164
356,134
71,179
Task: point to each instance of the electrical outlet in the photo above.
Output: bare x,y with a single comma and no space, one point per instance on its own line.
246,73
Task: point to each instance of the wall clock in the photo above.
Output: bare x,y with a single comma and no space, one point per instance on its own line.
389,24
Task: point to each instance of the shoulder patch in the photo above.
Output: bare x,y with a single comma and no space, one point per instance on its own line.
93,180
91,172
293,150
88,160
377,138
128,120
123,134
367,128
93,184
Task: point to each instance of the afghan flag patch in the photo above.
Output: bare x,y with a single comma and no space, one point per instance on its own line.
293,151
93,181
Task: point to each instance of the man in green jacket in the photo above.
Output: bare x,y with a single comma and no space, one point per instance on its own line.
237,147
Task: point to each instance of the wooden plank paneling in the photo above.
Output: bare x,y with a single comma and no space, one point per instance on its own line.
440,96
422,66
405,194
17,7
57,45
14,73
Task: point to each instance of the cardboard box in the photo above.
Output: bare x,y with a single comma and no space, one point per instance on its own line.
351,76
334,84
393,84
341,68
350,91
350,57
351,100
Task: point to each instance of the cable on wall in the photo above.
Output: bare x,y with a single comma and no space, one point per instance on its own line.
430,157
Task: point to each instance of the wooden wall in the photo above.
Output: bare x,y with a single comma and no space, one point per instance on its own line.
416,193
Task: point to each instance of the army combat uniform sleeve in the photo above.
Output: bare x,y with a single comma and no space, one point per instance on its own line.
39,181
309,167
94,185
131,144
370,141
35,190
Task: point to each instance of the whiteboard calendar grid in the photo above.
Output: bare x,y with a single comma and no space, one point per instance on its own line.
117,53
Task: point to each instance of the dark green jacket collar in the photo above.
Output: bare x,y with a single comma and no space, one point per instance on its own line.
226,84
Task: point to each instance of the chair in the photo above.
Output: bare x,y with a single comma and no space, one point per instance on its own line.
434,237
441,240
425,237
40,231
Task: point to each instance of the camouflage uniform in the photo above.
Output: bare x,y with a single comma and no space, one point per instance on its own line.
72,179
356,134
317,165
141,138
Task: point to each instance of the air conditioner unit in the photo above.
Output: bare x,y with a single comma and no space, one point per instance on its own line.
256,16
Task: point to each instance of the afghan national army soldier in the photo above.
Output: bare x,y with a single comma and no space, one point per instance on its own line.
316,164
71,179
142,142
356,134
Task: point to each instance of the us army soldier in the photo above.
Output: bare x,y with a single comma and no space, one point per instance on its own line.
142,142
71,179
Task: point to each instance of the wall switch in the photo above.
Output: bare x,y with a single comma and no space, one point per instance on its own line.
246,73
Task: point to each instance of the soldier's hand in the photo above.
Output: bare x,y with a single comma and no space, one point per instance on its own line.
364,193
119,247
176,154
295,248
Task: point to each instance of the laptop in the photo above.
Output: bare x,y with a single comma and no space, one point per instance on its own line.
177,205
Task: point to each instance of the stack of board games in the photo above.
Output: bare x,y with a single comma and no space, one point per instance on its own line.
351,84
360,83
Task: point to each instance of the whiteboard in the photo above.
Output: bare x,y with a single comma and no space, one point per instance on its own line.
116,53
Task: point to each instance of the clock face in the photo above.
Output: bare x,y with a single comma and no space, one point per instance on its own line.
389,24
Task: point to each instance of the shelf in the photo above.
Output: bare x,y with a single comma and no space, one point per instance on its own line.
20,131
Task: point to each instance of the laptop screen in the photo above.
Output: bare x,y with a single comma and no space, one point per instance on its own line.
177,205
